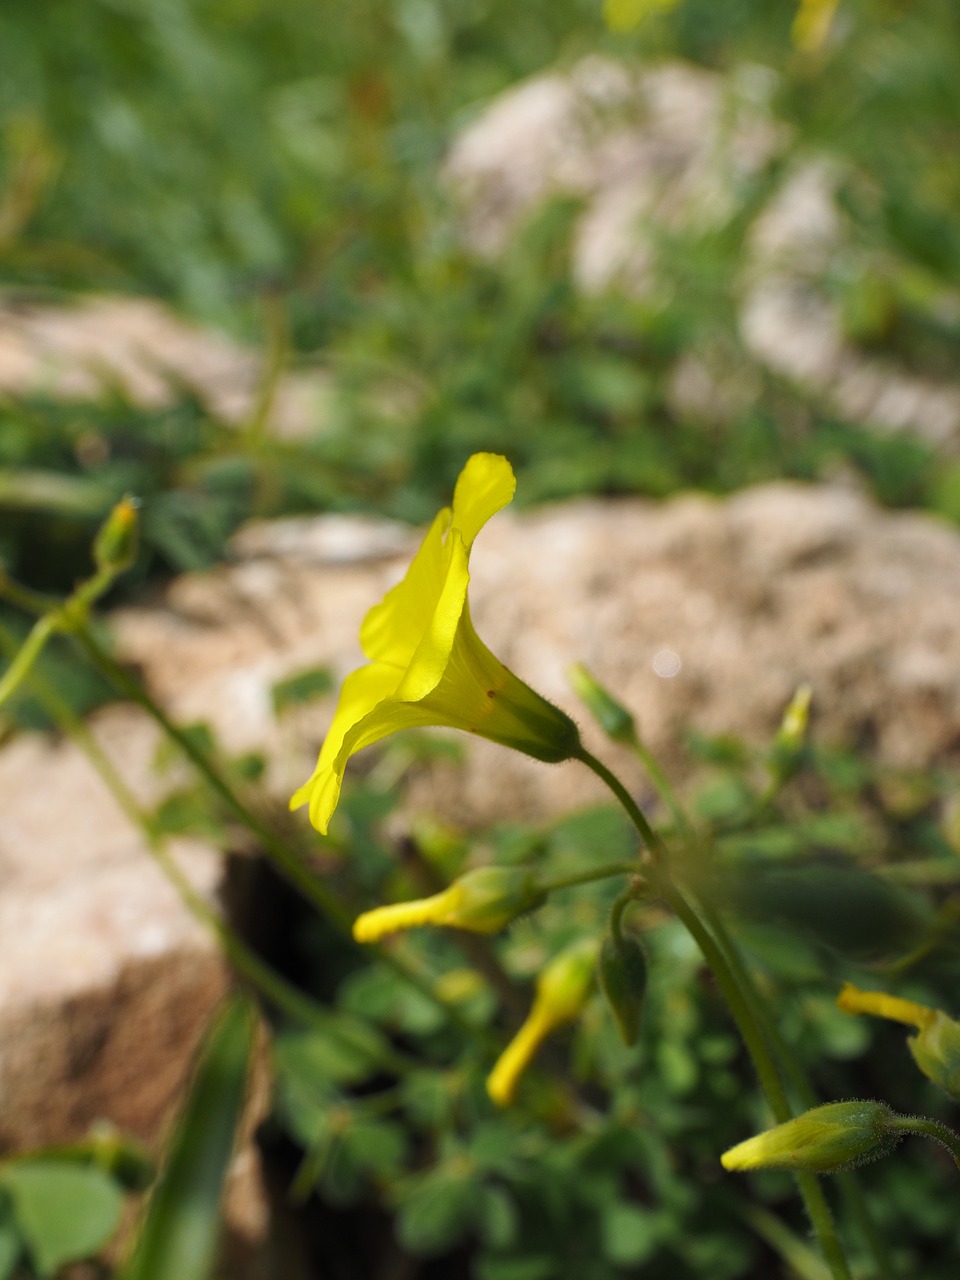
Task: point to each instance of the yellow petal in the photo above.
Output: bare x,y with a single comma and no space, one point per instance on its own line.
376,924
485,486
439,629
852,1000
503,1080
393,629
362,691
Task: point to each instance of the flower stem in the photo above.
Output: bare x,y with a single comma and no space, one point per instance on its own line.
284,858
927,1128
23,660
605,872
744,1014
794,1074
245,961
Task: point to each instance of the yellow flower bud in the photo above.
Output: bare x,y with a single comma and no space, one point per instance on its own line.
612,716
789,742
481,901
811,26
562,991
115,546
828,1139
935,1047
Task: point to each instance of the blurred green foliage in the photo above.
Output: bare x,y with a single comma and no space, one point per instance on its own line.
247,160
238,157
607,1165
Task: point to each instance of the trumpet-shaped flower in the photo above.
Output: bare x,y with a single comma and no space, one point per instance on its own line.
428,667
480,901
562,991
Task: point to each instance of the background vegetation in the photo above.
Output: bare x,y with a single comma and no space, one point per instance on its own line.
274,169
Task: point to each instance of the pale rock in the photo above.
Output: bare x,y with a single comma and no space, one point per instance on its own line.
673,148
106,982
700,613
137,345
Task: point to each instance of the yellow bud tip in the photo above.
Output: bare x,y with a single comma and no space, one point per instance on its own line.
854,1001
505,1077
797,715
125,512
373,925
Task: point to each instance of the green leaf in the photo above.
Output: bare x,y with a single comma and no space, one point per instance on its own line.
512,1268
303,687
628,1234
178,1236
11,1247
438,1212
64,1211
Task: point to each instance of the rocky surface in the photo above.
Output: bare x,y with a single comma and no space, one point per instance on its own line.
106,983
100,345
701,613
668,149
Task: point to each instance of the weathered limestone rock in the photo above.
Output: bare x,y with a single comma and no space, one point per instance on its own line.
142,348
106,983
673,148
699,612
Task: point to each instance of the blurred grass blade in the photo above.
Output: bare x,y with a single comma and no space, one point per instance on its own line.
26,489
178,1236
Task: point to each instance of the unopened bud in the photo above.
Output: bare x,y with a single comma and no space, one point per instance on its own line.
480,901
622,974
562,991
828,1139
115,546
935,1047
612,716
791,736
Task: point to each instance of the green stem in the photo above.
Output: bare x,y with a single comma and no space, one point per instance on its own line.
794,1073
284,858
616,914
275,989
664,788
798,1081
23,660
605,872
57,617
745,1016
926,1128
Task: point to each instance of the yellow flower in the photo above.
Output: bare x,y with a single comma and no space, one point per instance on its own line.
811,26
427,664
562,991
480,901
828,1139
935,1047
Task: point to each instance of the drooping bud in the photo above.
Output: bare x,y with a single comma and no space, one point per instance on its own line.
612,716
115,546
562,991
791,736
827,1139
935,1047
622,974
480,901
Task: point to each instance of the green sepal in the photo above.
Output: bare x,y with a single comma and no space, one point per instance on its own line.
622,973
